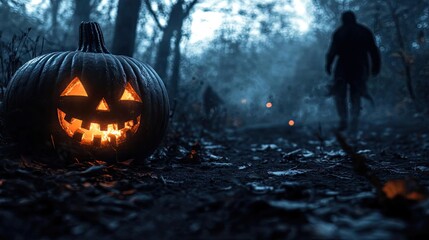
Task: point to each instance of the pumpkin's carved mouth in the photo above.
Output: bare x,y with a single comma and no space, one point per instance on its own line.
95,134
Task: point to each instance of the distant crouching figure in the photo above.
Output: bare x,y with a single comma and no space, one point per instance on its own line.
214,109
353,44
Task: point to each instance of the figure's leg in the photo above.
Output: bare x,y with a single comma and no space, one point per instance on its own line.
341,103
355,101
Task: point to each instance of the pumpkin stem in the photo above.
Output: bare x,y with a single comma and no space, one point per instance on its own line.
91,38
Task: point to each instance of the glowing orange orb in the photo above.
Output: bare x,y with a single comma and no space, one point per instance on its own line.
291,122
269,105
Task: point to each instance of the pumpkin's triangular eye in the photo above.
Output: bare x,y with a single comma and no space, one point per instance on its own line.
102,106
75,88
130,94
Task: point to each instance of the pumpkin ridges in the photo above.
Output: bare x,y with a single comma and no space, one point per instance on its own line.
88,73
105,60
166,112
18,86
94,64
12,85
149,89
24,69
142,91
124,73
124,61
61,79
45,94
24,117
144,83
51,69
121,75
160,89
155,84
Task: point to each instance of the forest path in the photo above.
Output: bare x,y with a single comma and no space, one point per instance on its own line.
270,182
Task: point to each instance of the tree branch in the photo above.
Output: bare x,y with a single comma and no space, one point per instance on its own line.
93,4
153,13
189,8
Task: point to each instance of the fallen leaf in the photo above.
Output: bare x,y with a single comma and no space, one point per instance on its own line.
403,188
129,192
108,184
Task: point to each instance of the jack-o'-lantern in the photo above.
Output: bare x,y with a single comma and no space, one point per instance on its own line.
109,105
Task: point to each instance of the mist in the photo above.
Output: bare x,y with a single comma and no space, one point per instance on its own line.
250,53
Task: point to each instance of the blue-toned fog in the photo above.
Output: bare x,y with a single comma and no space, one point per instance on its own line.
254,52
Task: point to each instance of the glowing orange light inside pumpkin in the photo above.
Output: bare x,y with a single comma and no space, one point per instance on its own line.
75,88
291,122
93,133
113,135
102,106
129,94
269,105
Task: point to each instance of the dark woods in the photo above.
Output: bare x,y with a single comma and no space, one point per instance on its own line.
251,148
257,53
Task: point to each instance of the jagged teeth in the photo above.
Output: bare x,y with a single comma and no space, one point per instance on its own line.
77,135
103,127
86,125
112,138
95,133
97,140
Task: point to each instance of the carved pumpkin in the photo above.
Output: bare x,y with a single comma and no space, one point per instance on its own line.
110,105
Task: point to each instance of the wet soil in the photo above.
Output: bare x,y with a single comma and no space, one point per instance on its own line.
260,182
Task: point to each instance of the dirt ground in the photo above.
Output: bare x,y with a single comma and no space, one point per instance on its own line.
261,182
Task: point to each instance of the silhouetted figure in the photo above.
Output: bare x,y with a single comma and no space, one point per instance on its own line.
353,44
215,113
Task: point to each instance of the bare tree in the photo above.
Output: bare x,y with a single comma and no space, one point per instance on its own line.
55,6
81,12
179,12
405,57
126,27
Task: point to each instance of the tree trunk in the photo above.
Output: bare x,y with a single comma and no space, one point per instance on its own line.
81,12
127,17
174,23
175,75
404,56
55,5
179,12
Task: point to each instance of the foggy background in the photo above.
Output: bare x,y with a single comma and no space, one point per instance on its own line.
250,52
